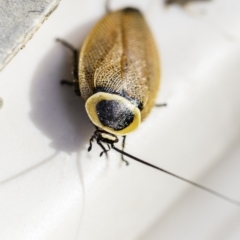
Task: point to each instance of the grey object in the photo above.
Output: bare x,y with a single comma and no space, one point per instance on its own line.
19,20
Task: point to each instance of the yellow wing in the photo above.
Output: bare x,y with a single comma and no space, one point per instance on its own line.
120,56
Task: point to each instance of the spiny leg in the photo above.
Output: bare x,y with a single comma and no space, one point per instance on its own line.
74,83
123,146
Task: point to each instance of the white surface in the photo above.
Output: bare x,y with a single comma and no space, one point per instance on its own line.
51,188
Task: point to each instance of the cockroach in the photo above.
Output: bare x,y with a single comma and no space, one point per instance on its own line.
117,74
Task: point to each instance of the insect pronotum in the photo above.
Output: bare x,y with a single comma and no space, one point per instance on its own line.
117,74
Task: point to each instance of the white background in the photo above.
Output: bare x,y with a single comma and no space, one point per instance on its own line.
52,188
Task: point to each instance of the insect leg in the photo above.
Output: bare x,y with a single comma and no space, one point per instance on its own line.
66,82
181,2
123,146
90,143
107,8
161,105
103,148
75,67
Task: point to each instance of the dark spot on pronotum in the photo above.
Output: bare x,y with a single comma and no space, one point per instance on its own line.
113,114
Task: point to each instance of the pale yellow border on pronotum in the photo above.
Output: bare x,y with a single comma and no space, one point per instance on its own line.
90,106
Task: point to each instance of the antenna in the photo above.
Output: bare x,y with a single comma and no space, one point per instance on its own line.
226,198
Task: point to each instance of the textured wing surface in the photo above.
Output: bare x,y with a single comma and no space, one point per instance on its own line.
120,56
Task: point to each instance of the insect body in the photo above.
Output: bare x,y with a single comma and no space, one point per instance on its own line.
119,73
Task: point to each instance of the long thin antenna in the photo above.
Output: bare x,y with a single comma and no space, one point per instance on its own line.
181,178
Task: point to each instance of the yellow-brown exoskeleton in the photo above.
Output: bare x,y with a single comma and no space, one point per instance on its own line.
118,74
